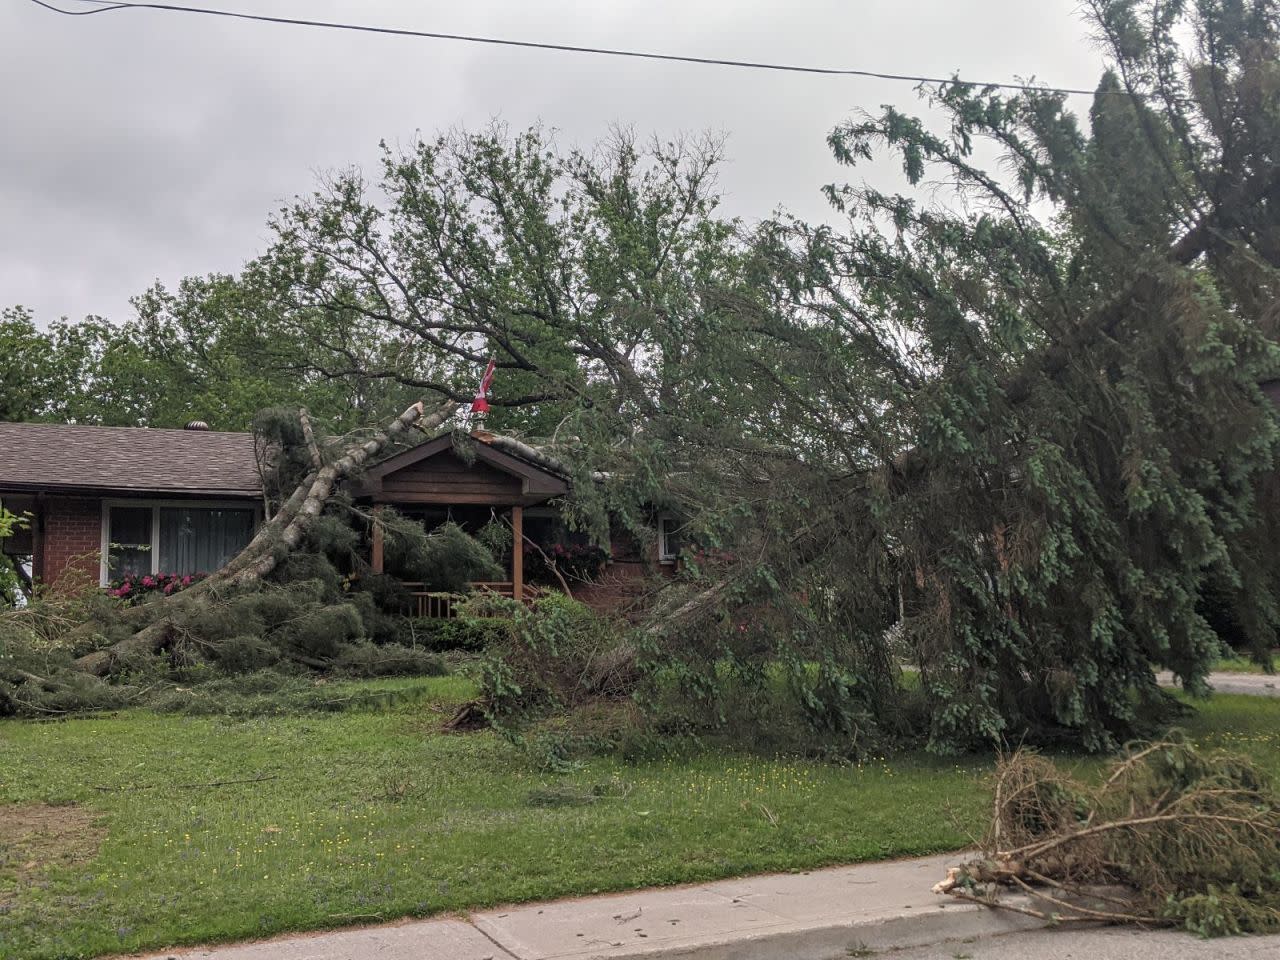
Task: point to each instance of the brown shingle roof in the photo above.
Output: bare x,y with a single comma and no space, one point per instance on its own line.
60,457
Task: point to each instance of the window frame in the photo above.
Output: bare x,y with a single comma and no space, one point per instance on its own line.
665,525
104,545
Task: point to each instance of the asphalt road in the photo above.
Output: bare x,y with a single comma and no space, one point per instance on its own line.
1104,944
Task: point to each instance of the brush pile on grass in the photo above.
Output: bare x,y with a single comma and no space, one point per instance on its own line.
320,613
1193,838
546,662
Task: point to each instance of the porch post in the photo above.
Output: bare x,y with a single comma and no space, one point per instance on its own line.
517,553
38,546
376,550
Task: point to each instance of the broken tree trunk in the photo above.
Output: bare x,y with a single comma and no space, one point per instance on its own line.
309,435
617,669
278,537
535,456
321,488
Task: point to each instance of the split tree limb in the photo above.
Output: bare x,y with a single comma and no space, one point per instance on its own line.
309,436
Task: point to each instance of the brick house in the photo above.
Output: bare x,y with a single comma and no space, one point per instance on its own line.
107,501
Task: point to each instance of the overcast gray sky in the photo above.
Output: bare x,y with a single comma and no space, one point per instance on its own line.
143,145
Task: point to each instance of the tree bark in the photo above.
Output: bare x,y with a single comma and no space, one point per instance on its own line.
321,488
309,435
534,455
617,667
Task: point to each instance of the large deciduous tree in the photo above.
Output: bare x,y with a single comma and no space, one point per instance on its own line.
1021,426
582,275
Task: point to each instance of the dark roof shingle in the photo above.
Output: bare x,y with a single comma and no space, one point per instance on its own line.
62,457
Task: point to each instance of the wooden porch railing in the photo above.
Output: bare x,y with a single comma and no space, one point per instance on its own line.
440,606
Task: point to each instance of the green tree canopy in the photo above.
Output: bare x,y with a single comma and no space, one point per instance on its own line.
1004,426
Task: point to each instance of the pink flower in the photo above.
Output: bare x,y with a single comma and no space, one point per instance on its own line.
186,581
148,582
168,588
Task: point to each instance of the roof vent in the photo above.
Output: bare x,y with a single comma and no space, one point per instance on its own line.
196,425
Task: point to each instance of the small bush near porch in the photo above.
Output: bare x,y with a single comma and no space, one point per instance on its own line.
372,814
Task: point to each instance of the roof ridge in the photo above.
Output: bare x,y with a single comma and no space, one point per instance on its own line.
108,426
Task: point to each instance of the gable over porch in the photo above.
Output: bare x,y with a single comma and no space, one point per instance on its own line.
436,478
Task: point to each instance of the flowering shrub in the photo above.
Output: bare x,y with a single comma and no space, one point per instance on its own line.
133,587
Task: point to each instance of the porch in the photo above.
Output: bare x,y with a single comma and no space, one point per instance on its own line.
437,479
439,605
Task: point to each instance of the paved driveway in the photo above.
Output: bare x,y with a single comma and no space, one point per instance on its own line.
1253,684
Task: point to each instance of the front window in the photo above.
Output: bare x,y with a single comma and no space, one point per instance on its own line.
129,542
177,539
201,539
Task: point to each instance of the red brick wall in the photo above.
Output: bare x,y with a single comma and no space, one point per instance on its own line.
624,582
620,585
70,538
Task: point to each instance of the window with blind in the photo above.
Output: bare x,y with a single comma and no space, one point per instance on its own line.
174,538
129,542
201,539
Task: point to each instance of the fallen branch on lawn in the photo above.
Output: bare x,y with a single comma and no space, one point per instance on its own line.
183,786
1192,838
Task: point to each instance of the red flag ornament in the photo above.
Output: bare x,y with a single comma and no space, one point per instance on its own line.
480,405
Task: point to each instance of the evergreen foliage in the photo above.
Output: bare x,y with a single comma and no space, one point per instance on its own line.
1009,432
446,559
1194,834
320,610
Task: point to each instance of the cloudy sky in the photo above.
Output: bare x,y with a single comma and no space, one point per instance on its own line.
141,145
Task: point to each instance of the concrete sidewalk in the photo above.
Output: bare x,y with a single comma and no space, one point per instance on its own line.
818,915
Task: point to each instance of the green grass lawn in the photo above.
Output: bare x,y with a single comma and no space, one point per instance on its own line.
1242,664
374,814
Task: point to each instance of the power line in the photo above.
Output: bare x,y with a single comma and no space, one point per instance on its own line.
108,7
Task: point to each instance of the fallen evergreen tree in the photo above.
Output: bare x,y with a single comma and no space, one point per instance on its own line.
300,597
282,533
1015,442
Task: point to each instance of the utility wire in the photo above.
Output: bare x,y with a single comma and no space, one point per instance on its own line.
561,47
